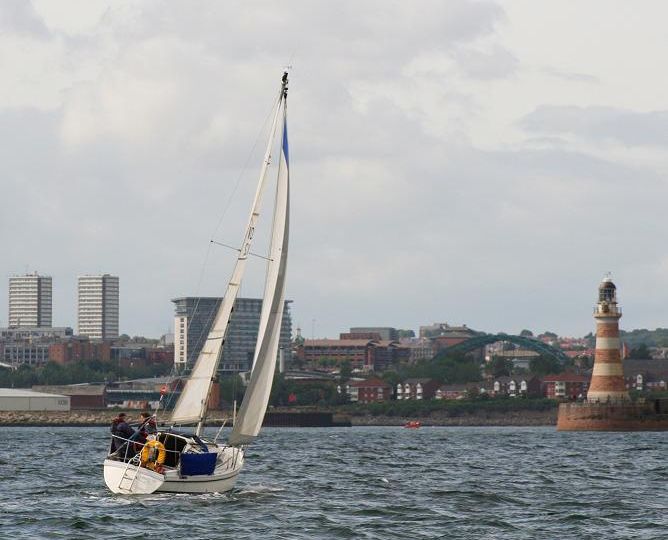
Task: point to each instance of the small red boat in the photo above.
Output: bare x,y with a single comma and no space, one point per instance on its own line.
412,424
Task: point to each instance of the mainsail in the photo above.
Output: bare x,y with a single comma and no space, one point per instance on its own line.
249,420
192,404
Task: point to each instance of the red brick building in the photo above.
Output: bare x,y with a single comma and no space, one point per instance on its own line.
444,335
418,349
79,350
383,354
367,354
648,374
417,389
565,386
369,391
456,391
160,356
313,351
529,386
361,335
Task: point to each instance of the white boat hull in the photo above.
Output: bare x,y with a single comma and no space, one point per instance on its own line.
128,479
201,484
120,477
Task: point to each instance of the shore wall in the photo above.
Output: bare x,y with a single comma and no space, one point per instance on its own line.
610,417
104,418
486,418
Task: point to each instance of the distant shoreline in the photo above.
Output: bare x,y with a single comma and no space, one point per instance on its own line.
92,418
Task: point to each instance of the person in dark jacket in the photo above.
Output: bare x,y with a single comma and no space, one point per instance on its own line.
120,431
147,426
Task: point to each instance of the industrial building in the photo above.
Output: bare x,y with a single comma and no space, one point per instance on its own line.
18,399
82,396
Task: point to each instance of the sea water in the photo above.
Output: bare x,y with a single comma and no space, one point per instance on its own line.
370,482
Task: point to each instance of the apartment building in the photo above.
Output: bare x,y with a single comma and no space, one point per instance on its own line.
98,306
30,301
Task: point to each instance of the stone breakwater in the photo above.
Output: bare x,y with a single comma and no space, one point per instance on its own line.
81,417
620,416
62,418
486,418
104,418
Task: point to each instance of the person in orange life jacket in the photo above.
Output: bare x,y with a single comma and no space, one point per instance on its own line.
147,426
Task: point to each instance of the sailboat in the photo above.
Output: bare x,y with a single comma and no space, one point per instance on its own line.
181,459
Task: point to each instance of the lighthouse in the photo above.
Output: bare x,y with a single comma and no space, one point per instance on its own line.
608,407
607,380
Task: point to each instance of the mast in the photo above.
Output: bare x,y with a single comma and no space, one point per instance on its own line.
193,402
254,405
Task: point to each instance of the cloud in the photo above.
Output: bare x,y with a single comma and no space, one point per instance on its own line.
601,124
127,131
20,19
497,63
571,76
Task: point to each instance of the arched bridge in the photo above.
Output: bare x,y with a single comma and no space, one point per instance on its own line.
478,342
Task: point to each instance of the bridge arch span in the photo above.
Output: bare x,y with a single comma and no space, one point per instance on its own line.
478,342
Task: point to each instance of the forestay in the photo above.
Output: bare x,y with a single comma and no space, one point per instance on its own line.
249,420
192,404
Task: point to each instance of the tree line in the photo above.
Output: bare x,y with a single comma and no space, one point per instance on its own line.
51,373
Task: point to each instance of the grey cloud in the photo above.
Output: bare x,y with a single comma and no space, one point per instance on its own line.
570,76
19,17
601,123
366,38
482,233
390,225
498,63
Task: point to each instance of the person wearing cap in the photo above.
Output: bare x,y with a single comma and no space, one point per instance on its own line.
120,430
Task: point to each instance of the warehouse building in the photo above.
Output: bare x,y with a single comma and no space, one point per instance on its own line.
18,399
82,396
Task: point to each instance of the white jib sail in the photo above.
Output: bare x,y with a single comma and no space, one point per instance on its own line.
192,404
249,420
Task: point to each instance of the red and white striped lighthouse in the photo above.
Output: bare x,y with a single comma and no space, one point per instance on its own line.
607,380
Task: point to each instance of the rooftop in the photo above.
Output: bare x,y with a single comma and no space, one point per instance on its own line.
369,383
24,392
336,342
566,377
71,389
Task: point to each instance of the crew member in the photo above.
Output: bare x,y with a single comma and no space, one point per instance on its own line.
120,433
147,423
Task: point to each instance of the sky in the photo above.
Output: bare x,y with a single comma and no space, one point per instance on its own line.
470,162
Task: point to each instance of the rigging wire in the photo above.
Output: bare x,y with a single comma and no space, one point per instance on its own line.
205,263
201,337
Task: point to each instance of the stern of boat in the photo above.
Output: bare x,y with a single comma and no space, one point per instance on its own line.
128,479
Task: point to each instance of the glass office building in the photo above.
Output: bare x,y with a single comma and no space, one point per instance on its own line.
194,317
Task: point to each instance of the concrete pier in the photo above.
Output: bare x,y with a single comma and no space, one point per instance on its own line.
620,416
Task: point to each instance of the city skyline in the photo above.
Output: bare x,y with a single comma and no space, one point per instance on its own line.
94,285
476,168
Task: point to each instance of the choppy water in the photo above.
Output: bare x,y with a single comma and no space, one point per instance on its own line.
355,483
